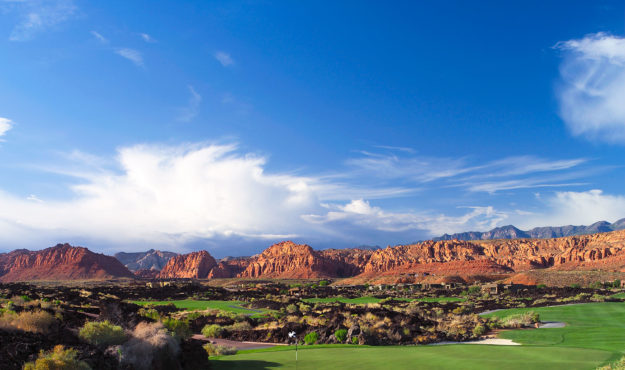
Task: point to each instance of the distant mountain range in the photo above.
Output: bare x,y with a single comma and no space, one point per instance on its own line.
511,232
150,260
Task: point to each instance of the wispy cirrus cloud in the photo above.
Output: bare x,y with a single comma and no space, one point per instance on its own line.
99,37
516,172
147,38
192,109
5,125
224,58
37,16
592,90
132,55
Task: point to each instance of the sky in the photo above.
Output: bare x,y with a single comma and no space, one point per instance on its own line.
229,126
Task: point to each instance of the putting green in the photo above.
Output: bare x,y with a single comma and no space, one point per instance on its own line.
421,357
594,336
588,325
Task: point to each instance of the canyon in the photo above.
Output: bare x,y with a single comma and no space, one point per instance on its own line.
287,260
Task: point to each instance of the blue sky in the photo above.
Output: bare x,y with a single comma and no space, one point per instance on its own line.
228,126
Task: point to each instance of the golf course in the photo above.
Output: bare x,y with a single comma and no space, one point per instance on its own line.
594,336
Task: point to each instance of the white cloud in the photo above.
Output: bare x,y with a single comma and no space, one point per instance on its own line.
170,196
37,16
100,38
361,213
578,208
192,109
224,58
132,55
5,125
147,38
592,95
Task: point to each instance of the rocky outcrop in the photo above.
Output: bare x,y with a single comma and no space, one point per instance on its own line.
149,260
229,267
196,265
603,250
61,262
299,261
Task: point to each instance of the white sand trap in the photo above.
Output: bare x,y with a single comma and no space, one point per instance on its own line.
551,324
491,341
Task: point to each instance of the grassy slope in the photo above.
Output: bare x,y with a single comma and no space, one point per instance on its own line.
190,304
594,335
365,300
591,325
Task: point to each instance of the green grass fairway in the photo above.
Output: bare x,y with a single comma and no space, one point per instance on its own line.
590,325
421,357
594,336
192,305
365,300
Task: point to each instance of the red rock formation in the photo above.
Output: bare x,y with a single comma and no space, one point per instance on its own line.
195,265
288,260
61,262
147,274
228,268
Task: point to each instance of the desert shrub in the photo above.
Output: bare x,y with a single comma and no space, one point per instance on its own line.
150,313
519,320
323,283
102,334
354,340
340,335
575,285
460,310
292,308
34,322
618,365
178,328
57,359
218,350
150,347
304,308
541,286
212,331
475,289
540,301
479,330
311,338
240,326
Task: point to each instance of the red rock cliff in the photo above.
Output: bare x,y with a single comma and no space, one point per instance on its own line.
61,262
195,265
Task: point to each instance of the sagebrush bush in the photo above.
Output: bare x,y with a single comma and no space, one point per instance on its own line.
340,335
240,326
178,328
311,338
57,359
520,320
292,308
102,334
34,322
212,331
479,330
218,350
150,346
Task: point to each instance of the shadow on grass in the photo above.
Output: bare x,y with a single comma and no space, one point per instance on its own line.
244,364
